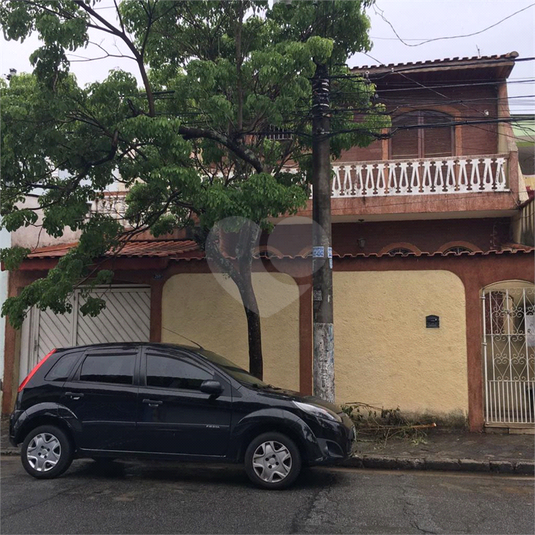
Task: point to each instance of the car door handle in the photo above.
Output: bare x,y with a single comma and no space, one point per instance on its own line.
152,402
74,395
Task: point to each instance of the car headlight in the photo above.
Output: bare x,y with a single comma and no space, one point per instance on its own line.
319,412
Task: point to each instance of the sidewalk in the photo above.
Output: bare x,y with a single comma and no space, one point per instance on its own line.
462,451
456,450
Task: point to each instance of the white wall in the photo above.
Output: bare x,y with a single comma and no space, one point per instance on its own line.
33,237
5,241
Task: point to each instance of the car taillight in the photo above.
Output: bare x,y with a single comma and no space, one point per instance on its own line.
32,373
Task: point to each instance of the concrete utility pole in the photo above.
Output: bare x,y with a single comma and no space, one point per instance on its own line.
323,359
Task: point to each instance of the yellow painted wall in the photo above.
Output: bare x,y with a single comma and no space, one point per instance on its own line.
200,307
384,354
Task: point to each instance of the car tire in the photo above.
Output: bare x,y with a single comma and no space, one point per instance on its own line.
272,461
46,452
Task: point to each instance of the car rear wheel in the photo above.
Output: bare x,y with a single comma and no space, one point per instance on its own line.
272,461
46,452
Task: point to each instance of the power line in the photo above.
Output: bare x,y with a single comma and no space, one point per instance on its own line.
412,88
458,101
381,14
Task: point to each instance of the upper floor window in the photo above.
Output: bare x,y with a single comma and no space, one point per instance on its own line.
424,142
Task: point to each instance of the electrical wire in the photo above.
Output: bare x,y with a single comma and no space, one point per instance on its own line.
381,14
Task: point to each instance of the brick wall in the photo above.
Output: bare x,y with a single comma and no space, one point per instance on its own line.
476,100
425,235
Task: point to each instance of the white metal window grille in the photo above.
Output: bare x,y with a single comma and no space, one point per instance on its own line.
399,251
509,355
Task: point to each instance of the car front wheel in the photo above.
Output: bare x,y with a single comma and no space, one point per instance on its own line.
46,452
272,461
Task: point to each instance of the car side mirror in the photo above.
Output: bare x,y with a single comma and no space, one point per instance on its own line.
213,388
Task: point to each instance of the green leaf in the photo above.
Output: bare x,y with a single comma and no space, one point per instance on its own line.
12,257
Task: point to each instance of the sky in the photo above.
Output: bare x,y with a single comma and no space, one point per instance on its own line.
413,20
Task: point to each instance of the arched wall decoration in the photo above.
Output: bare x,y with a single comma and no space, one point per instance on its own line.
459,243
400,245
262,249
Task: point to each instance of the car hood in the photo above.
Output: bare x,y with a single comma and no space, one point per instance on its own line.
291,395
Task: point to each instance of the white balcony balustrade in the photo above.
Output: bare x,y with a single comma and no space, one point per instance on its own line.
112,203
428,176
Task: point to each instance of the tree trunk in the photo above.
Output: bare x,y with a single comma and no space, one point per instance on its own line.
241,274
256,366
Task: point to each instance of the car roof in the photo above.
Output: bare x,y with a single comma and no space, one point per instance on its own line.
132,345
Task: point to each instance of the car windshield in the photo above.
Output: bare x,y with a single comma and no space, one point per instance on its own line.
234,371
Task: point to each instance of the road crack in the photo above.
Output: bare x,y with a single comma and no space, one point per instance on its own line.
321,510
416,508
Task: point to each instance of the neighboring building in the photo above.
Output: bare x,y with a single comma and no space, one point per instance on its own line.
5,241
524,132
433,266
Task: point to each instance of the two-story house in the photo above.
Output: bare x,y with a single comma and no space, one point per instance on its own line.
433,266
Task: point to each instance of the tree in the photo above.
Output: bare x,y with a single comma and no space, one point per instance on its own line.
192,144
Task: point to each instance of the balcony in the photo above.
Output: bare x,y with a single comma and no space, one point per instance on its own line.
427,188
429,176
112,203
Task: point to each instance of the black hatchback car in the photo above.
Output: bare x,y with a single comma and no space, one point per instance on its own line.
170,402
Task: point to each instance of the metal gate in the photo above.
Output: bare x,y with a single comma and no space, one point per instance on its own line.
509,355
126,318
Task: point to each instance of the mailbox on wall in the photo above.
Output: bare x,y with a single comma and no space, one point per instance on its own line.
432,322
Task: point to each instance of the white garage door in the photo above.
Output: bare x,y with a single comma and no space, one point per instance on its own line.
126,318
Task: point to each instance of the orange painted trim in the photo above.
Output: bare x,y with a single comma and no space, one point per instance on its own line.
385,146
156,311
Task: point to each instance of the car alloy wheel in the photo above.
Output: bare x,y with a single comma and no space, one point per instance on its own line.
272,461
46,452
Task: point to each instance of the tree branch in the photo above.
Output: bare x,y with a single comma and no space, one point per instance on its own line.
241,151
122,35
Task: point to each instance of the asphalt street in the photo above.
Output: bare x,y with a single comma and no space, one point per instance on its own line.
135,497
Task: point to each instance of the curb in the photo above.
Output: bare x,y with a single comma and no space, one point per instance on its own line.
415,463
440,463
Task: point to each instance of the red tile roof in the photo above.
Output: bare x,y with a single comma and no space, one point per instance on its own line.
189,250
136,248
517,248
503,58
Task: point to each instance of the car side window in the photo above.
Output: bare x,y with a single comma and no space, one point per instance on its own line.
171,372
63,367
117,369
